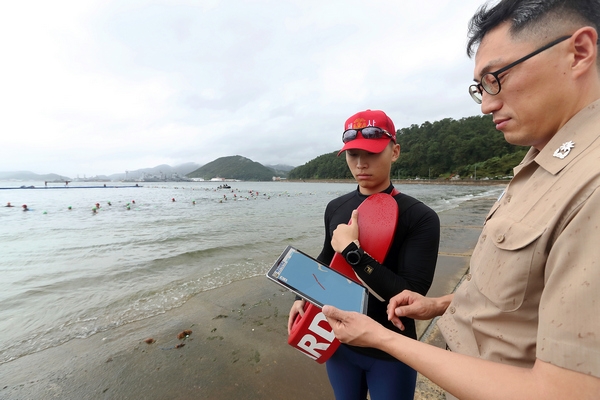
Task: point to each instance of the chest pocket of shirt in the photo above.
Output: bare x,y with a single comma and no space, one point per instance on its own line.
504,262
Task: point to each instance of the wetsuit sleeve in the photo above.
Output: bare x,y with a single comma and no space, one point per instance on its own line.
327,252
413,265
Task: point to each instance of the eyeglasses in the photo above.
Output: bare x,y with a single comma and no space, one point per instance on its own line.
490,82
370,132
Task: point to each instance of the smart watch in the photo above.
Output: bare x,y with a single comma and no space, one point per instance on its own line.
353,257
353,254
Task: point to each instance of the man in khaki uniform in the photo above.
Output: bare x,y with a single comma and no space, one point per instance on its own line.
526,321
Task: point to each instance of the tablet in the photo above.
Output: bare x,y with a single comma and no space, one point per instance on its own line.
317,282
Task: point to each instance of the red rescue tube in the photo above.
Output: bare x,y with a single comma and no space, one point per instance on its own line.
311,334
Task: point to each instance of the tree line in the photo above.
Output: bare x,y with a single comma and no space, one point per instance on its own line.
469,148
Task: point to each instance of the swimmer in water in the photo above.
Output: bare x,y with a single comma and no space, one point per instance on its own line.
8,205
25,207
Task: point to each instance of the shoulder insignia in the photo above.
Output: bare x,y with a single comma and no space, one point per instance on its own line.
564,150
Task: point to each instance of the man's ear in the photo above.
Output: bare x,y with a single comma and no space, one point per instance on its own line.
396,152
585,50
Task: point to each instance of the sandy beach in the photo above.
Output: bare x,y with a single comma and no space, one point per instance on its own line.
237,347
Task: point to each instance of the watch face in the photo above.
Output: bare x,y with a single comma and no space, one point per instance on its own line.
353,257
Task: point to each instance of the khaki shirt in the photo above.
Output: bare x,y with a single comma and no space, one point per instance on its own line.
534,287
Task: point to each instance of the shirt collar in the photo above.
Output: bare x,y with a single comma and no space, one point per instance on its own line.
387,191
581,130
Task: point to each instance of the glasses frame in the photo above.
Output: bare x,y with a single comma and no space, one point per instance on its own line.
476,90
345,140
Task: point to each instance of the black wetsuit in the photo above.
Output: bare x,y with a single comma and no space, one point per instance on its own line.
410,262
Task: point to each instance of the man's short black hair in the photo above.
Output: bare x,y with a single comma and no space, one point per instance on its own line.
533,16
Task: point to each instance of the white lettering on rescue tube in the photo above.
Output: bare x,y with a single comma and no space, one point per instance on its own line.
310,343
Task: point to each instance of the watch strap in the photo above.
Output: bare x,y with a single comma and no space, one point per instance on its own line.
351,247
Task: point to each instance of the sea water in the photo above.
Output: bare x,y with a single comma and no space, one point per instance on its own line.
67,271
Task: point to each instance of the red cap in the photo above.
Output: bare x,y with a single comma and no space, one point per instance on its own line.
364,119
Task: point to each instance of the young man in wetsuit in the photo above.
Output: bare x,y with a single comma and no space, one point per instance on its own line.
369,139
525,324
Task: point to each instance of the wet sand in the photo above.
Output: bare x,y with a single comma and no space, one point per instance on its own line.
237,348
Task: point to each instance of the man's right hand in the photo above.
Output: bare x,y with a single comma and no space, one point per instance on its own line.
413,305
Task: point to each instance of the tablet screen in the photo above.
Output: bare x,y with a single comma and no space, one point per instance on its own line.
316,282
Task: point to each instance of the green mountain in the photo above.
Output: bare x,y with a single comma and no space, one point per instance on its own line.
467,147
234,167
326,166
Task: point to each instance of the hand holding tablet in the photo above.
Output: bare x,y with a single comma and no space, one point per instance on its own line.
317,282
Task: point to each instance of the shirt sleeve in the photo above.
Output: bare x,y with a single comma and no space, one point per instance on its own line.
569,322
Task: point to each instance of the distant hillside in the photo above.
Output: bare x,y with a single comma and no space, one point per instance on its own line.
164,169
30,176
234,167
325,166
469,147
281,170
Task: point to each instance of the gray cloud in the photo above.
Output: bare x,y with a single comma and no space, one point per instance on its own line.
103,87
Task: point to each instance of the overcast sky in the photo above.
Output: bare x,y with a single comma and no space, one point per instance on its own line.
100,87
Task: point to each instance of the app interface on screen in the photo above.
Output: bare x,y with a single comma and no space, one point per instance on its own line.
320,283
